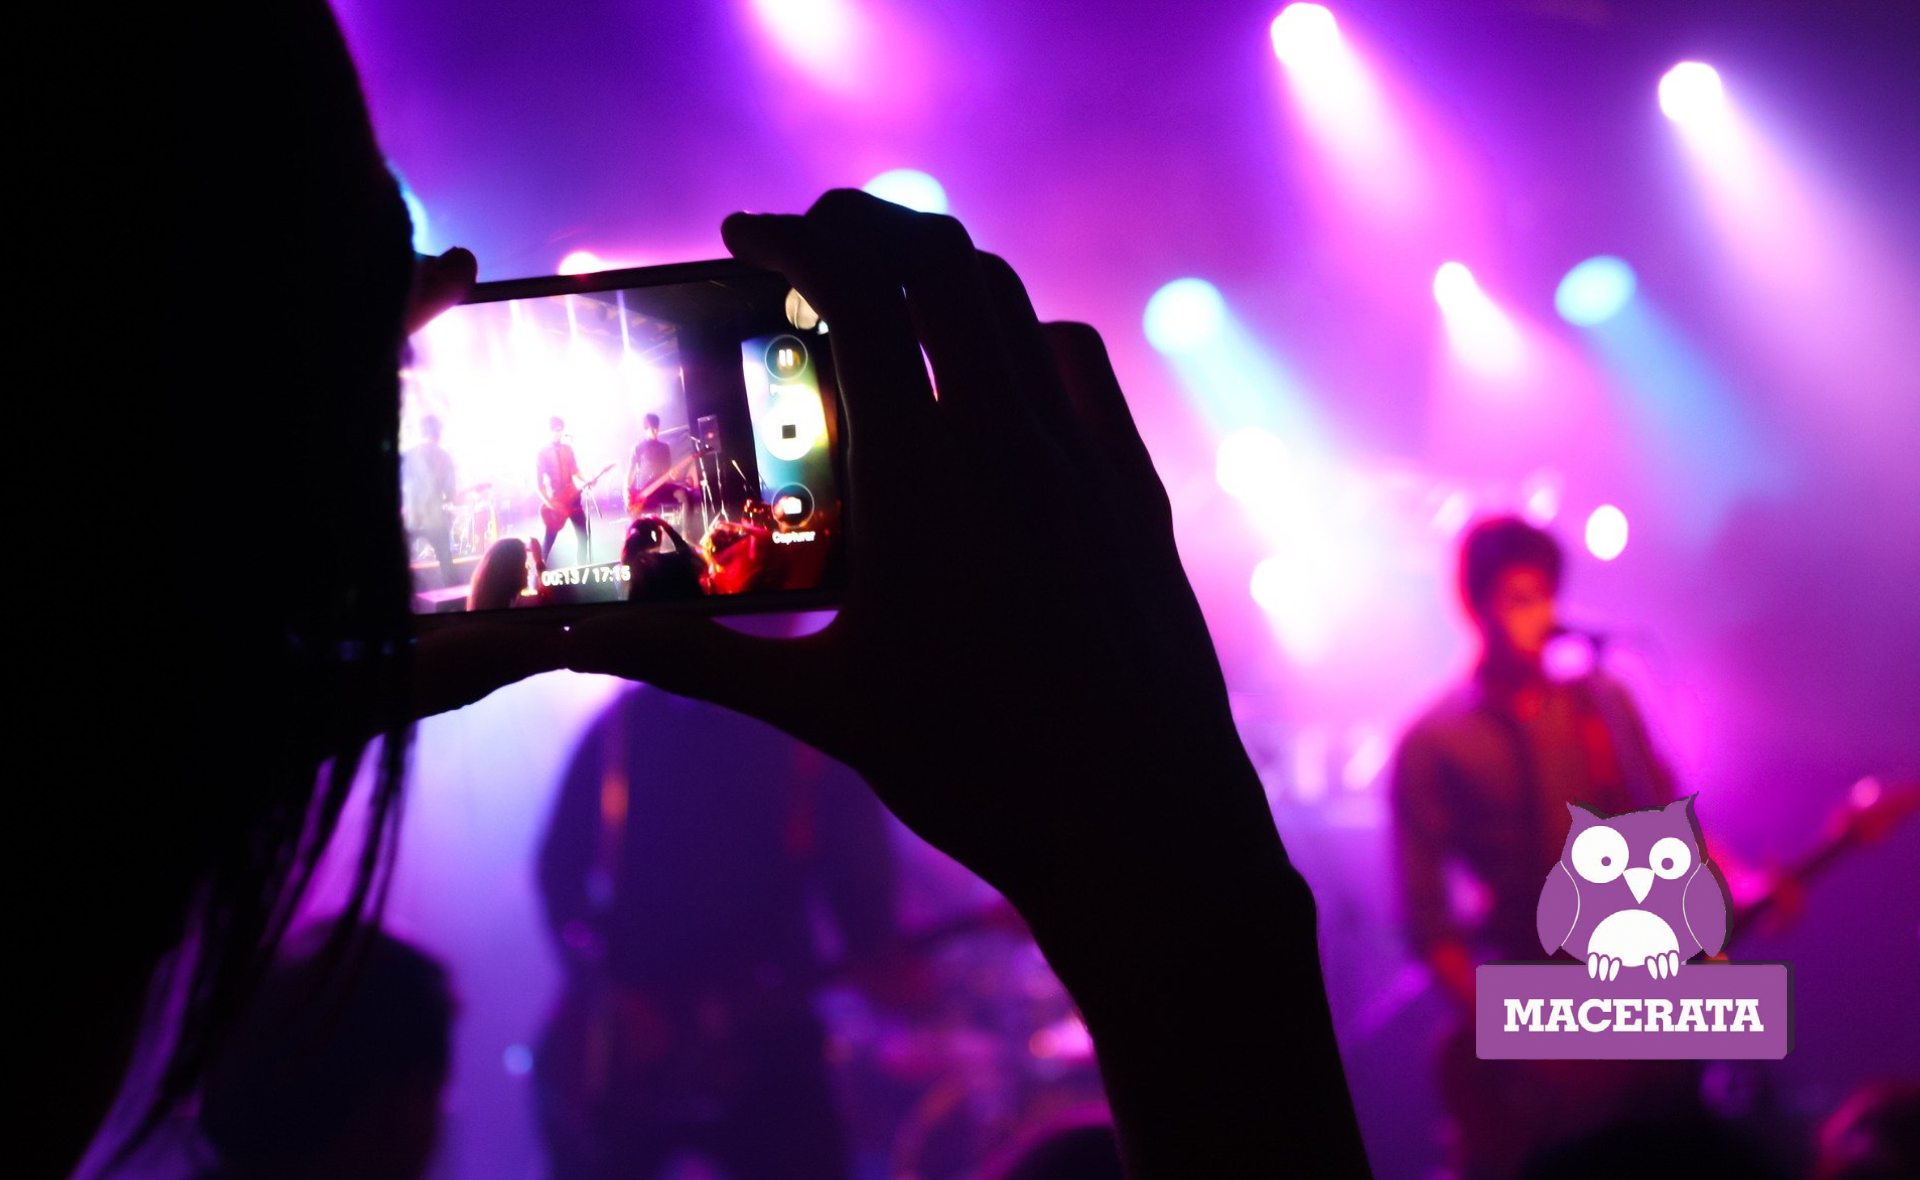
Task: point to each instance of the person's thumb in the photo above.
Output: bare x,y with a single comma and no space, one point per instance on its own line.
775,680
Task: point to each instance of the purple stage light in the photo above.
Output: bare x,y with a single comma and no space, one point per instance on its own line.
1692,96
1607,532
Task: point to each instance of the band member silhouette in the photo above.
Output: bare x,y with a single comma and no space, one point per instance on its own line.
426,485
558,479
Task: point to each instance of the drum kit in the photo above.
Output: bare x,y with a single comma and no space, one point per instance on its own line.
476,522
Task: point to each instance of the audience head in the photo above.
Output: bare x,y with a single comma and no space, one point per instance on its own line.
500,576
655,575
336,1069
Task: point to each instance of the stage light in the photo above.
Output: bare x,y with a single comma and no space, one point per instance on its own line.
1595,291
1691,94
1249,463
818,35
1481,333
1607,532
910,187
582,262
1454,288
1305,34
1185,315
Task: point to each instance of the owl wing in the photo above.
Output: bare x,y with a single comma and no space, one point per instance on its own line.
1558,910
1704,905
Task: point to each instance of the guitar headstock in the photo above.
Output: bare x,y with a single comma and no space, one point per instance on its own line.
1874,808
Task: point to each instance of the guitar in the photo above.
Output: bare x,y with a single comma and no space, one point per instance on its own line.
566,500
1871,812
638,498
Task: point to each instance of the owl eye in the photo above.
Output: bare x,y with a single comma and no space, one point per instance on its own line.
1671,857
1600,854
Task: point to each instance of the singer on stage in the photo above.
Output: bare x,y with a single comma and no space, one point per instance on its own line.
1480,793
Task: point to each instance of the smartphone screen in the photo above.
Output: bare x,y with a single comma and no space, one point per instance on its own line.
668,435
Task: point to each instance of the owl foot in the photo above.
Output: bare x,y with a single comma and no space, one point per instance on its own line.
1602,967
1665,965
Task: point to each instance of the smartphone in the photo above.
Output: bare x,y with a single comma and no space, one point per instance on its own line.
668,436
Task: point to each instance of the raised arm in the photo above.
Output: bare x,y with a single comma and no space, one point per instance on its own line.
1108,798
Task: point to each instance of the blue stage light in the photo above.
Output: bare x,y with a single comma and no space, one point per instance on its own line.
1595,291
1185,315
910,187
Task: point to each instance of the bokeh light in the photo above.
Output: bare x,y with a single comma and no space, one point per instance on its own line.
1692,96
1305,34
582,262
820,36
1184,315
1246,462
1483,335
909,187
1607,532
1595,291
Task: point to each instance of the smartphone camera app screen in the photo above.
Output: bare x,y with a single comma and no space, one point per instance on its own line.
643,443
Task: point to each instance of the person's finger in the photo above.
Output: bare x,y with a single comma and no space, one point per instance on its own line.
1087,374
439,282
1033,355
457,665
934,261
783,682
876,358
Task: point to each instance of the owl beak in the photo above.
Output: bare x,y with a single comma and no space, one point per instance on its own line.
1640,881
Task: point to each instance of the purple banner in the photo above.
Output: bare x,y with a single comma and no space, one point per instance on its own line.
1707,1011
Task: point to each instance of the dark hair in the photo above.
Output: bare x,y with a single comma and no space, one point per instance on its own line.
430,426
651,421
319,1043
500,575
657,576
1497,544
256,708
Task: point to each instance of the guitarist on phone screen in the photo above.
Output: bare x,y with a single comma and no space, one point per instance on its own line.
654,484
561,486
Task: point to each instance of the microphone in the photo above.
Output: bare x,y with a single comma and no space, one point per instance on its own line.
1593,637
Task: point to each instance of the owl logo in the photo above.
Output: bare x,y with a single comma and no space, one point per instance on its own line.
1632,890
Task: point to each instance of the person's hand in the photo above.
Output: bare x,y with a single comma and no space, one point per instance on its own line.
1032,688
440,281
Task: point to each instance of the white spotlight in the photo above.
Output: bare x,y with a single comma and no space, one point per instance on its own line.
1691,94
1304,34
